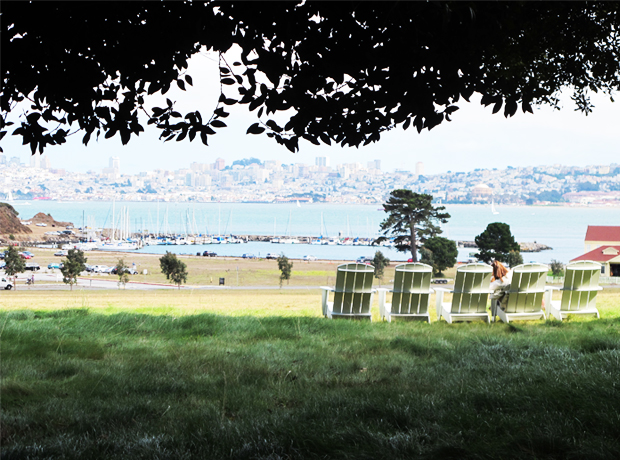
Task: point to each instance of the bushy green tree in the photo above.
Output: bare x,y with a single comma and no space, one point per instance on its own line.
444,253
514,258
557,267
14,263
73,265
122,273
495,243
174,269
412,218
426,256
380,262
286,268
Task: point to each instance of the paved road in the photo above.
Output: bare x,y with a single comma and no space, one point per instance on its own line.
53,282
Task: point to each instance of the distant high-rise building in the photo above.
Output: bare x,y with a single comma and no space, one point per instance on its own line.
419,168
45,162
115,163
374,164
2,159
220,164
35,161
322,161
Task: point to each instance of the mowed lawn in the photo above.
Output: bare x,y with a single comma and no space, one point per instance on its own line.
260,375
205,271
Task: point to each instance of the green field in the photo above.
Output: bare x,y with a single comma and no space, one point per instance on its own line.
260,375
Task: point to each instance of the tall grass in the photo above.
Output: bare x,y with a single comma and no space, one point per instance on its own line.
261,375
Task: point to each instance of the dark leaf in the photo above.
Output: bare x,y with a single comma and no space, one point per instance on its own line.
175,114
255,103
192,134
312,139
33,117
224,70
227,81
273,125
218,124
181,136
325,138
189,81
511,108
169,102
526,107
86,138
498,106
220,112
407,123
181,84
203,137
260,112
125,136
255,129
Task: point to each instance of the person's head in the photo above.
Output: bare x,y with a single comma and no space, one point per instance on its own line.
499,270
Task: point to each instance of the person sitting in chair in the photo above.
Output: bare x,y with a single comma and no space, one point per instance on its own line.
500,284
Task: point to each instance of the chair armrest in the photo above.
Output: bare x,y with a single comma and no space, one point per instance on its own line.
438,289
598,288
327,288
552,288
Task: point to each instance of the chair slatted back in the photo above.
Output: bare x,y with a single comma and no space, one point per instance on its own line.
353,291
412,288
580,285
471,288
527,288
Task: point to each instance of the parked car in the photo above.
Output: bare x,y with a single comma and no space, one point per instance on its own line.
33,267
99,268
41,224
364,260
248,256
25,256
62,253
89,268
309,258
129,270
209,254
28,253
2,264
56,265
271,255
6,284
440,281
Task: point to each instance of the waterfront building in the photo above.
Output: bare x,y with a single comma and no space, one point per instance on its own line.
599,235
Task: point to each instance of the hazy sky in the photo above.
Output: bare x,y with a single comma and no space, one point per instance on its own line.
474,139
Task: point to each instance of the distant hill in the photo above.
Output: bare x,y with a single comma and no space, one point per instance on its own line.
9,222
42,218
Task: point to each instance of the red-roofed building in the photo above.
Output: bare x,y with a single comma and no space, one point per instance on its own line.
607,256
599,235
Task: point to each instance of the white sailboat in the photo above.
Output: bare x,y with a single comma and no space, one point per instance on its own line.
493,210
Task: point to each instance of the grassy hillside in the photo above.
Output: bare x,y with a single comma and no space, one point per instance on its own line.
259,374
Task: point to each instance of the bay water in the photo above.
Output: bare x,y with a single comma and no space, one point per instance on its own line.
561,227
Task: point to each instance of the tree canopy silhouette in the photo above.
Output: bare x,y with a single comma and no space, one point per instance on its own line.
341,72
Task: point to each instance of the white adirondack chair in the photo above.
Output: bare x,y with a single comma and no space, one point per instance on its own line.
411,293
579,291
469,296
353,293
525,294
